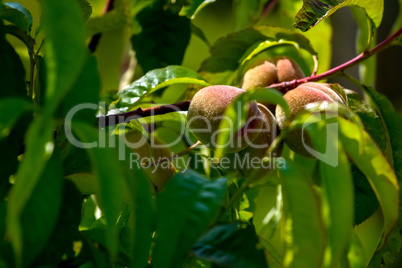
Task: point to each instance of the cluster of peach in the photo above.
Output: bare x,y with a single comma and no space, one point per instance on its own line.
208,106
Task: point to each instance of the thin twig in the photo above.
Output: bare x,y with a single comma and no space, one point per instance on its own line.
284,86
110,120
268,8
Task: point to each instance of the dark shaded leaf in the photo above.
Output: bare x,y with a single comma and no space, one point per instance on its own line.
10,110
155,80
313,11
188,202
228,53
391,129
82,100
232,245
42,210
66,229
163,39
12,72
17,14
365,203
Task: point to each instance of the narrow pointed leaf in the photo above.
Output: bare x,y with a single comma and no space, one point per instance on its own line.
306,248
370,160
189,202
39,148
64,48
109,178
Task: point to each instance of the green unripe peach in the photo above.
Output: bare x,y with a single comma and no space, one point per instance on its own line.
207,109
297,99
262,75
288,69
153,158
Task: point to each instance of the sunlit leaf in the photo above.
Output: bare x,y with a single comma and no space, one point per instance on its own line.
370,160
39,142
337,188
304,219
231,245
193,7
313,11
189,202
64,48
155,80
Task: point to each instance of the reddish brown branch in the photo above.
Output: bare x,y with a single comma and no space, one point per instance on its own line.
110,120
268,8
284,86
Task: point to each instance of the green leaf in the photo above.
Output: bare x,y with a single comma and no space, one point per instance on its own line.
313,11
247,12
193,7
370,160
12,72
65,231
337,187
365,40
42,210
227,53
155,80
112,20
10,110
17,14
231,245
185,207
304,218
64,48
160,25
200,34
391,128
83,99
110,177
86,9
39,148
